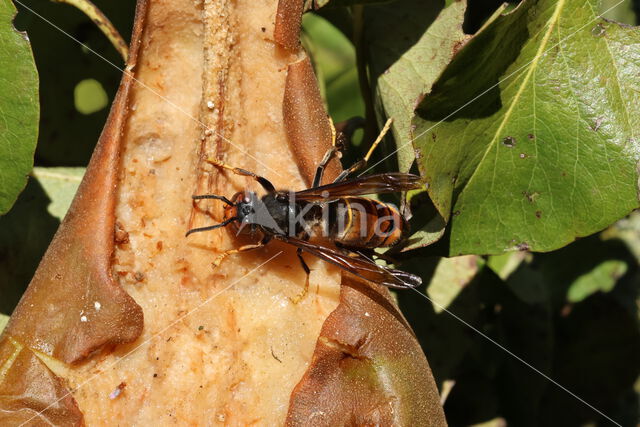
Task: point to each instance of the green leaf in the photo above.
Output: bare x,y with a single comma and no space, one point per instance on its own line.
444,338
505,264
4,319
335,64
19,110
620,11
530,137
426,220
405,61
68,136
410,44
89,96
627,230
60,185
528,285
452,275
496,422
27,230
602,277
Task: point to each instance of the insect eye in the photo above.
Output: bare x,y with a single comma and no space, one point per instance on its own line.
246,210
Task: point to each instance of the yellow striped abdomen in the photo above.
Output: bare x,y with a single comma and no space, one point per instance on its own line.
366,223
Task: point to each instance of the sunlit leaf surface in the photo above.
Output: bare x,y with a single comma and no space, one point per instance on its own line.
19,110
60,185
410,43
529,139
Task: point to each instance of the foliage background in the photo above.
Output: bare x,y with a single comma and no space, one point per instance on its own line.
573,313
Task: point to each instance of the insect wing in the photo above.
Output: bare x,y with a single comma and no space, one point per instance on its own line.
359,266
372,184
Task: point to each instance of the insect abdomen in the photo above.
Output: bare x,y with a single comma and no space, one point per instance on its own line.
367,223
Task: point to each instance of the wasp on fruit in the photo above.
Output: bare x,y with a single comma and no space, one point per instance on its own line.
315,219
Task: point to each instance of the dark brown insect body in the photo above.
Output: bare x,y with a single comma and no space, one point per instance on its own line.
353,222
323,216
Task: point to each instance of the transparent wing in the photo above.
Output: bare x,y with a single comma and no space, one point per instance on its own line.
372,184
359,266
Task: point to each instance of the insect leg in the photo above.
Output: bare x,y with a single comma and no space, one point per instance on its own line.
264,182
363,162
212,196
245,248
317,179
331,152
211,227
305,267
307,271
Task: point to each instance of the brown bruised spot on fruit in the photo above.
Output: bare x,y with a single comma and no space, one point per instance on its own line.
79,307
367,369
306,121
288,20
30,394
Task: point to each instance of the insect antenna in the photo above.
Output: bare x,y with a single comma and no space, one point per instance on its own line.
211,227
213,196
